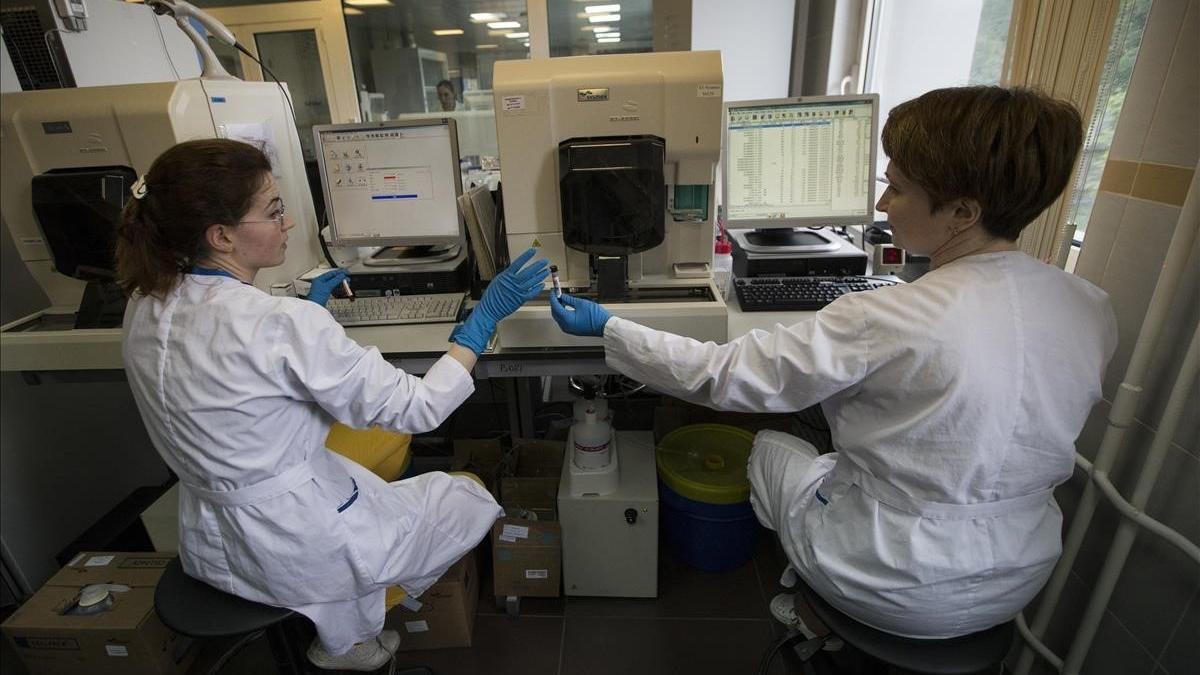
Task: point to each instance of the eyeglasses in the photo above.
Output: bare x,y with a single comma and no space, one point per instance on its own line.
278,219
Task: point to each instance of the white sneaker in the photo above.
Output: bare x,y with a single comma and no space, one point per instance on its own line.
783,608
364,656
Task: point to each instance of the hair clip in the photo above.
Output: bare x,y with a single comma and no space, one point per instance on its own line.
139,188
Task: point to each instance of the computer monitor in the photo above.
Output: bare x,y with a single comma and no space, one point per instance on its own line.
392,183
806,161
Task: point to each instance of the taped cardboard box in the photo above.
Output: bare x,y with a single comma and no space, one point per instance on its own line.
480,456
122,637
527,558
534,483
444,615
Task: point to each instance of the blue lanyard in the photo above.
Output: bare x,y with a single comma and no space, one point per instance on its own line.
212,272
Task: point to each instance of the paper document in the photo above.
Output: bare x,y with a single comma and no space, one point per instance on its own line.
479,212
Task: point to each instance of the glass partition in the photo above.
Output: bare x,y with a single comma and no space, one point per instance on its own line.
579,28
414,59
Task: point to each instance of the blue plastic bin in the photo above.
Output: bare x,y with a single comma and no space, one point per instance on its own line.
712,537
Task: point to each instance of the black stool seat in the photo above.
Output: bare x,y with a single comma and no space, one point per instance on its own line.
953,656
195,609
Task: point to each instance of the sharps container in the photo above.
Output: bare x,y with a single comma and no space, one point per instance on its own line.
704,496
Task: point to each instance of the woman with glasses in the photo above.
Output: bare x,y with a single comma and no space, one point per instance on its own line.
238,390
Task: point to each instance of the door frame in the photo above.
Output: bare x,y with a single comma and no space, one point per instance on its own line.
324,17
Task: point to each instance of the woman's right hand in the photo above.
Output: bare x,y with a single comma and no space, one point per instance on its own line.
576,316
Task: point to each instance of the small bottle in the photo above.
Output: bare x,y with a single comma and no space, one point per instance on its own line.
722,263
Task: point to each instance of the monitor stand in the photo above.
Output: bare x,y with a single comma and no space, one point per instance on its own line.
800,240
399,256
102,306
794,252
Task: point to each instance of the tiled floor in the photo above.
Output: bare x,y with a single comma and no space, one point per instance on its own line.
701,624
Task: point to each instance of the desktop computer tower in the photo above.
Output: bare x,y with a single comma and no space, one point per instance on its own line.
451,276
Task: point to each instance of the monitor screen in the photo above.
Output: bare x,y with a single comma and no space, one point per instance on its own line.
391,183
806,161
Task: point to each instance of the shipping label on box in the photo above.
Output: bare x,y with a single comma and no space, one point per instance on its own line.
122,634
527,558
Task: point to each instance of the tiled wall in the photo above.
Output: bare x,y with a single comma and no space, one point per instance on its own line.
1153,620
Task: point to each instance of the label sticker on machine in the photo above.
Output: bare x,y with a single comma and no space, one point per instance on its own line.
32,241
518,531
510,103
116,650
416,626
708,91
537,574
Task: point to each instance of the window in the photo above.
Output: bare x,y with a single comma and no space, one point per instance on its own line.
1114,82
916,46
596,27
413,59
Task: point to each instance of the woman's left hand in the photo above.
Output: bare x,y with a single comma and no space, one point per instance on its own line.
323,286
510,289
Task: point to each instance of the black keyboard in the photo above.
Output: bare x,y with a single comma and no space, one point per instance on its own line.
788,294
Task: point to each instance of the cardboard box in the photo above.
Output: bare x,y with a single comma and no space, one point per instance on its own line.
127,638
444,615
527,558
482,457
534,483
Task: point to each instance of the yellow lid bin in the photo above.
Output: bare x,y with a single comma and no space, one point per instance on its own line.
706,463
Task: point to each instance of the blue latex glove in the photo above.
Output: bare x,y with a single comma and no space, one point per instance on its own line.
323,286
507,291
577,316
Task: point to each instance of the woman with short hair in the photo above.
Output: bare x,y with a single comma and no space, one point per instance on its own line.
953,402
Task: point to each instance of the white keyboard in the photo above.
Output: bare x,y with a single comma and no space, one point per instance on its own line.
397,309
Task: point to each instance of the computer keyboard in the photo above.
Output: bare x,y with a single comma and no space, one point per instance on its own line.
786,294
397,309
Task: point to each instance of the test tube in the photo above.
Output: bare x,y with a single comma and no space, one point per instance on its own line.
557,283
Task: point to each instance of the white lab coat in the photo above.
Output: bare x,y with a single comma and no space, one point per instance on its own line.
238,390
954,403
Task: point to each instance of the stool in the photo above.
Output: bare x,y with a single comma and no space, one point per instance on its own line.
387,454
192,608
961,655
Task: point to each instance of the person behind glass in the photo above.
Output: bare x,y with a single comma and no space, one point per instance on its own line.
238,390
953,401
446,95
